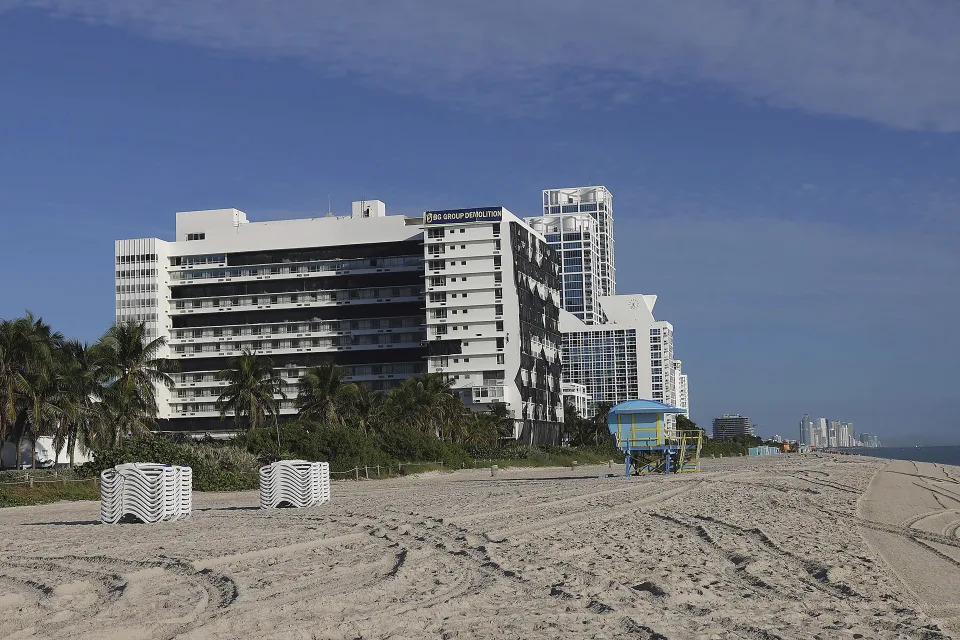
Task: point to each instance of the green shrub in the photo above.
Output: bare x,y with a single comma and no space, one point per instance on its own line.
47,492
215,467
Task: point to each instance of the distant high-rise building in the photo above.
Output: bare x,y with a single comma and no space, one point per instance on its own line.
833,433
869,440
730,425
821,433
681,386
850,434
578,223
806,430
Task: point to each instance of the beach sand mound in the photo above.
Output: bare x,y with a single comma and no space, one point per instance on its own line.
762,548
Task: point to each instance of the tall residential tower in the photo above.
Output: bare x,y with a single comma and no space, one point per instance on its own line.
578,223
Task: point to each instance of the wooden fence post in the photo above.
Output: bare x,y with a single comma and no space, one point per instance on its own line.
366,472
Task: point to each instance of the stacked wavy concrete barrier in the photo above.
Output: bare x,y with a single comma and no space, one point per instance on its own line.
146,492
294,483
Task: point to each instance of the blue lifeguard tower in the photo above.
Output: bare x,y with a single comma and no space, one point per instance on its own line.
640,431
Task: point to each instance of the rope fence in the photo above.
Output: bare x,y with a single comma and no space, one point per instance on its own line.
376,471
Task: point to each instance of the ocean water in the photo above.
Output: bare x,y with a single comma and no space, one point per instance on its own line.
940,455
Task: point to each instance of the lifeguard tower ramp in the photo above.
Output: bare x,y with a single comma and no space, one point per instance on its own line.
648,443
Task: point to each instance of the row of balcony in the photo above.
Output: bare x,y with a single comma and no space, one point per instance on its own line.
268,332
338,267
227,349
288,301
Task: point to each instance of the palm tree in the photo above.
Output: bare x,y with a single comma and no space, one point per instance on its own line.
251,391
44,410
82,417
366,408
322,394
480,429
133,368
15,350
502,420
27,345
428,403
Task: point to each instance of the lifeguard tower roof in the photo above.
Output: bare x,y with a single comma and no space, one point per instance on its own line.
643,406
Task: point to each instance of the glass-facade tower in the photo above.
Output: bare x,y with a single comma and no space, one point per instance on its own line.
578,223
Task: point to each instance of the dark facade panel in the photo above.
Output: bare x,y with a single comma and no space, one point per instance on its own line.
297,314
376,250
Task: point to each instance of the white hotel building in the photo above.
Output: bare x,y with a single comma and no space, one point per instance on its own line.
350,290
493,315
628,357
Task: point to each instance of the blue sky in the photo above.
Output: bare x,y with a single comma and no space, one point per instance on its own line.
786,175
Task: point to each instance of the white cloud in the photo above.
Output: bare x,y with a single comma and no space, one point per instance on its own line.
886,61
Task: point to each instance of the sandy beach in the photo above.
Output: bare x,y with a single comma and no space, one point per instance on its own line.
791,547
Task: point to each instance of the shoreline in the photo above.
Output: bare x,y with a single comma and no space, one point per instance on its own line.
764,547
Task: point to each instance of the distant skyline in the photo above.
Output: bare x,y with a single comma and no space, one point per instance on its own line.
786,177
